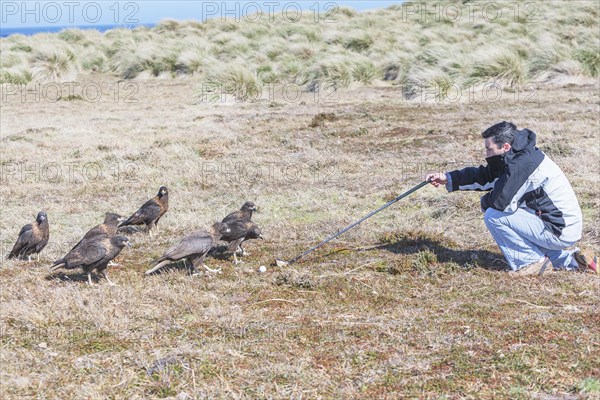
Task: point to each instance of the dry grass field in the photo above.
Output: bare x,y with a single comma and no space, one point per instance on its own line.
413,303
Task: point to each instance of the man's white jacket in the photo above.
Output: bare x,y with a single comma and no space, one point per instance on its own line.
526,178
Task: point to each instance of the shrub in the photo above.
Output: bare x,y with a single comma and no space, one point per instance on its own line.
505,66
53,65
364,72
589,60
237,80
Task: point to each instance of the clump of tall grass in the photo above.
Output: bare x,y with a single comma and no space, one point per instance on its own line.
168,25
15,76
427,83
53,64
503,65
22,47
72,35
365,72
237,80
10,59
589,60
334,73
94,62
358,43
152,57
192,61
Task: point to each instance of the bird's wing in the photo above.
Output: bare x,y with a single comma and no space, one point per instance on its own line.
238,229
87,253
236,215
23,240
148,212
93,251
196,243
94,234
111,252
99,231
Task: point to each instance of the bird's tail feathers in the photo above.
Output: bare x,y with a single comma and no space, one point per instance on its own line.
57,264
157,265
158,260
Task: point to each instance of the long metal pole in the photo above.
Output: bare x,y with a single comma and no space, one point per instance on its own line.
403,195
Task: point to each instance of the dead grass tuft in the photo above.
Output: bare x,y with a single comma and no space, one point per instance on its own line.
320,119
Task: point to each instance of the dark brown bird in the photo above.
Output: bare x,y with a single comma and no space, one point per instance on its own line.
241,231
151,211
107,229
244,213
32,238
92,254
194,248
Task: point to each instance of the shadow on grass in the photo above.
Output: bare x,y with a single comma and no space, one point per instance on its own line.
180,265
221,253
131,230
73,277
444,249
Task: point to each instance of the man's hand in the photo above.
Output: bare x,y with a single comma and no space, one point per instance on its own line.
437,179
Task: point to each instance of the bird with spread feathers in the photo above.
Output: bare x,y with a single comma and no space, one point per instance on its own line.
32,238
93,254
193,248
241,231
236,219
151,211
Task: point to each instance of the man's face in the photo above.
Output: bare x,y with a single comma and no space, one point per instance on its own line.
493,149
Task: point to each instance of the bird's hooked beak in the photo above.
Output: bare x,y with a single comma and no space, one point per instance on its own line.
261,237
128,243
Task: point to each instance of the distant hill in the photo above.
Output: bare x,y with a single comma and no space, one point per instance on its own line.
414,44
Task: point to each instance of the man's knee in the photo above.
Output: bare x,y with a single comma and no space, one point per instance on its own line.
492,217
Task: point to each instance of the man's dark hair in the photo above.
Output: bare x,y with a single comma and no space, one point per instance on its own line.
502,132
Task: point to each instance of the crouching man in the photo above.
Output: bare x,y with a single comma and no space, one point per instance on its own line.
530,208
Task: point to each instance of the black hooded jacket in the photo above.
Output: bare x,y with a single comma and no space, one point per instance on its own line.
526,178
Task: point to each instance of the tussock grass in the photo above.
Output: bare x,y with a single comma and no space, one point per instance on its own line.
392,45
53,65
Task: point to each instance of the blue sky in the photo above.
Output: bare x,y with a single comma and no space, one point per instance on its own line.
18,13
